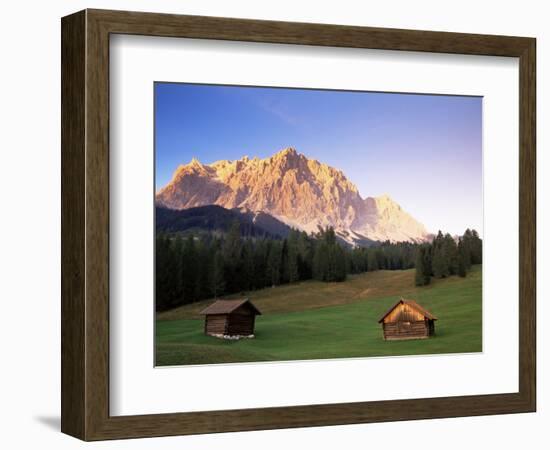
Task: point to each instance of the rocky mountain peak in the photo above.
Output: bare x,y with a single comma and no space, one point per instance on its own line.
301,192
195,162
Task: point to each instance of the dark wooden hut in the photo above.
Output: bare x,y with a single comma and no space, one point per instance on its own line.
407,320
233,318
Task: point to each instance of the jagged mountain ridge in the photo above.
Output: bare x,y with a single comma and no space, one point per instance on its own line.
301,192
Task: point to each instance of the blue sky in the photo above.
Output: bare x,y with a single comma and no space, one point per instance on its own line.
425,151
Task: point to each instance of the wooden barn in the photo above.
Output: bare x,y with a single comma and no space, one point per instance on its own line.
230,318
407,320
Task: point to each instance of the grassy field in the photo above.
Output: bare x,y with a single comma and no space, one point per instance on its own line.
314,320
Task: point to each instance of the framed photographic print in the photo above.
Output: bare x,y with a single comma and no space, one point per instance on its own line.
272,225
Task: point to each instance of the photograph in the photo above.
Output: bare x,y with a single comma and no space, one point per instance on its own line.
296,224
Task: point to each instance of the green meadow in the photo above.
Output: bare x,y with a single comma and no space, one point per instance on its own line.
317,320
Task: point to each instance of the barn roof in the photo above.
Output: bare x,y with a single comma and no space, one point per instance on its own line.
427,314
228,306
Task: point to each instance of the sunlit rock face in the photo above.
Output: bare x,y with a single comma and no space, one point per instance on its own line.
303,193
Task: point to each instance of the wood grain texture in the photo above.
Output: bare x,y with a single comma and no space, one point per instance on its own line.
85,224
97,225
73,109
527,224
152,24
412,330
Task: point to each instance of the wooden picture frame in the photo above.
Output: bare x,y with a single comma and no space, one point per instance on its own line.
85,224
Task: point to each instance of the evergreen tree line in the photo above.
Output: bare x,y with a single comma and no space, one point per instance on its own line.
445,256
189,269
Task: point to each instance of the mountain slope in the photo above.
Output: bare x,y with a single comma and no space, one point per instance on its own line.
385,218
217,218
298,191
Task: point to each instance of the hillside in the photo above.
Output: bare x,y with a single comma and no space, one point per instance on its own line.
313,294
301,192
216,218
318,320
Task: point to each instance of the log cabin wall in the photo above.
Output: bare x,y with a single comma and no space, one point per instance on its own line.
406,330
216,324
241,324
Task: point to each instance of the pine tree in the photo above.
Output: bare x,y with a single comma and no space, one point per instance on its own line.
291,265
247,266
451,254
440,260
305,256
428,259
467,242
189,272
440,267
427,264
329,260
203,270
462,258
274,262
419,278
167,294
320,261
477,248
423,266
372,260
260,264
358,262
338,258
177,287
217,271
231,252
382,257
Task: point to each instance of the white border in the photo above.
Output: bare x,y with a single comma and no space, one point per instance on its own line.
136,387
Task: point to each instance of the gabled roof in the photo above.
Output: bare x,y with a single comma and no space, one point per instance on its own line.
228,306
427,314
